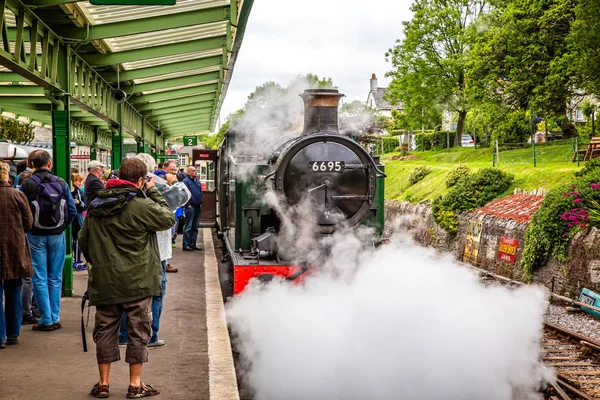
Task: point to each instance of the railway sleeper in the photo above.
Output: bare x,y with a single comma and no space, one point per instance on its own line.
565,357
584,372
575,390
560,350
574,364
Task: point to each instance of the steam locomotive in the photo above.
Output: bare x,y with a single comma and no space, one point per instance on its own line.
344,182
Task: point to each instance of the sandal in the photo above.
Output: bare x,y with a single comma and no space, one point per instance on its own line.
100,391
44,328
135,392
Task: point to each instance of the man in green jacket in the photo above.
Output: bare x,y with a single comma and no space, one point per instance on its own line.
118,238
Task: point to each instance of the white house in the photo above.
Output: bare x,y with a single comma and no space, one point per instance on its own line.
377,101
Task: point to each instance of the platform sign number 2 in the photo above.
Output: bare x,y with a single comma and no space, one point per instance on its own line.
190,141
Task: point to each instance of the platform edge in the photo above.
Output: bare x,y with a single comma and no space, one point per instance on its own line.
221,371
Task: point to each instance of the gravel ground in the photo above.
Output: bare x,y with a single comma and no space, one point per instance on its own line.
581,322
557,314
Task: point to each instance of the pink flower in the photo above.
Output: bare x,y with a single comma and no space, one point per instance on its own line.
577,200
573,187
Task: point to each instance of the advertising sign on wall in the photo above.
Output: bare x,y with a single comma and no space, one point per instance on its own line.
473,238
507,251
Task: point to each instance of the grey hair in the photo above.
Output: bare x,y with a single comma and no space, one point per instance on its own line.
148,160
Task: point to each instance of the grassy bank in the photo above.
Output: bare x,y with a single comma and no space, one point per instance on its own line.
554,168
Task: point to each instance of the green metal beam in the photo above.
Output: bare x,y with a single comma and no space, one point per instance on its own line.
167,83
35,116
160,70
25,106
190,127
172,94
189,132
149,24
21,90
178,116
200,99
47,3
12,77
185,107
156,51
184,122
24,100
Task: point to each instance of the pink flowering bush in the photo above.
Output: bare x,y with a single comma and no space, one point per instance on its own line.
564,212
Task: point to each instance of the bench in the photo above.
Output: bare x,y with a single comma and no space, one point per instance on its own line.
591,151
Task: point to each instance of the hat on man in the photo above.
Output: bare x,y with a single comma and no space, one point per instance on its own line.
95,164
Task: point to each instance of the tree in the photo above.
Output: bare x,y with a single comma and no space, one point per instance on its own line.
430,62
264,95
522,61
584,42
357,118
314,82
588,110
15,131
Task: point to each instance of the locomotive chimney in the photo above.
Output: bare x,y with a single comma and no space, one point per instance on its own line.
320,110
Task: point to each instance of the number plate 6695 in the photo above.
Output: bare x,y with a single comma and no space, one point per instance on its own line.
326,166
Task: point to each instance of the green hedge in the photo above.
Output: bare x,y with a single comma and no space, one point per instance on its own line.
469,193
434,140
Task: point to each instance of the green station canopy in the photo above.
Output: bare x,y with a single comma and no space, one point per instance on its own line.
174,62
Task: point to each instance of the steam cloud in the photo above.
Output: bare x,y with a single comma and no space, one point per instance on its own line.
396,322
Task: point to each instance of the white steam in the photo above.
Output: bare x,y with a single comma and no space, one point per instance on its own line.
398,322
272,117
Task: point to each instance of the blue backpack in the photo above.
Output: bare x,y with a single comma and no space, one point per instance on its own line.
49,208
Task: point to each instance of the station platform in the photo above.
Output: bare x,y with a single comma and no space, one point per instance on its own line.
196,363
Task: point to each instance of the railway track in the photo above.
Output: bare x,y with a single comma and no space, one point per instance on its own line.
576,360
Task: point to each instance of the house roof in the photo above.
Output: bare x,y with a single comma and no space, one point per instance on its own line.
518,207
381,102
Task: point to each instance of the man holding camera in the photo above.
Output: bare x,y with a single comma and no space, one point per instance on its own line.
119,239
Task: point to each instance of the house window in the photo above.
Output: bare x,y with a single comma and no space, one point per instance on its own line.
453,126
579,115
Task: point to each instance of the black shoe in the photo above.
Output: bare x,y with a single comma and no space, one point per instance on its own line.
188,249
197,248
29,320
12,340
2,345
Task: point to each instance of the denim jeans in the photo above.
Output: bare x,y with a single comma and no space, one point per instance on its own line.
174,231
77,252
27,297
11,314
157,306
48,258
190,230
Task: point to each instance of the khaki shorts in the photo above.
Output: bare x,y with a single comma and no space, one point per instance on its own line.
139,330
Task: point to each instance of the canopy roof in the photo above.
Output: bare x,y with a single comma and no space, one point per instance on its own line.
173,62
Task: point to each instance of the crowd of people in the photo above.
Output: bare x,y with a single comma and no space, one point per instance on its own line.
123,224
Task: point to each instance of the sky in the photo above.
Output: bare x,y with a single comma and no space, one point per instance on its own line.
345,40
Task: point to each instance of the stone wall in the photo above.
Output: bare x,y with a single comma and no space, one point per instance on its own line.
417,220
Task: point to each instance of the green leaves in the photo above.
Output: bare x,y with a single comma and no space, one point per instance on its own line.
471,192
15,131
523,61
430,61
